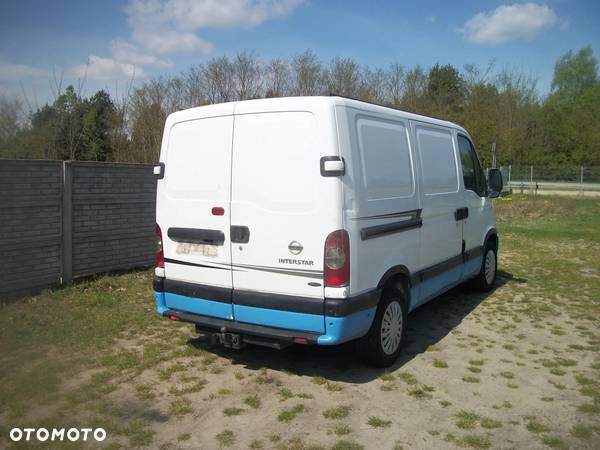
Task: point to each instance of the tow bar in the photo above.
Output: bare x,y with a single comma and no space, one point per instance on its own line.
228,340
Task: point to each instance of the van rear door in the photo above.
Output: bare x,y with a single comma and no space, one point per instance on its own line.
282,210
193,210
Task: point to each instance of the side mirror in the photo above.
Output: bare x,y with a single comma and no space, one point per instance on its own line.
495,182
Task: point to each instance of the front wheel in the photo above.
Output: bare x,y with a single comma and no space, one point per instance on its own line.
381,346
485,279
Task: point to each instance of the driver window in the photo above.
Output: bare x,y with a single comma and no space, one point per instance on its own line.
473,176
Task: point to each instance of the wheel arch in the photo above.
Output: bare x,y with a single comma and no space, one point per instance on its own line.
395,274
492,235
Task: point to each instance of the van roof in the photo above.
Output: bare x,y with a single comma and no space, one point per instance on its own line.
247,106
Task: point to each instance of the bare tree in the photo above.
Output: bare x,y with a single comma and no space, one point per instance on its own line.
343,77
373,85
415,86
10,112
395,83
306,74
248,76
193,82
218,80
277,75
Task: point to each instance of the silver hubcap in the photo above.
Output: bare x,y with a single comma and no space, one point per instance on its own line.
391,328
490,266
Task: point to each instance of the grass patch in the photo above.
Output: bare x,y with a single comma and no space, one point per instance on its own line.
194,387
347,445
553,442
137,432
589,408
263,377
582,431
225,439
475,441
285,394
145,392
471,379
329,385
489,424
232,411
184,437
289,414
377,422
440,364
467,420
583,380
419,393
252,401
342,430
536,427
386,376
339,412
408,378
180,407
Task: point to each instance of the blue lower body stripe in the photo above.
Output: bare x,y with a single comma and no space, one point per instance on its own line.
279,319
344,329
336,330
199,306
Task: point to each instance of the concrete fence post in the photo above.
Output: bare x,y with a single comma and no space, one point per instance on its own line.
67,223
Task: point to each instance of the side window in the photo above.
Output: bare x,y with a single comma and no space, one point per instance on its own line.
386,162
473,175
437,161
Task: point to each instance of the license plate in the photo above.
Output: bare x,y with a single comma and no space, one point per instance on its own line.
187,248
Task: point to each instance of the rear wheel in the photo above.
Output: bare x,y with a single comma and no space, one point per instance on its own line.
381,346
484,281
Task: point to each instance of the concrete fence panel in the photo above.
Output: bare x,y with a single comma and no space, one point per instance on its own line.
61,220
31,226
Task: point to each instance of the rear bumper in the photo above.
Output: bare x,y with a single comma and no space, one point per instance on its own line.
231,326
320,321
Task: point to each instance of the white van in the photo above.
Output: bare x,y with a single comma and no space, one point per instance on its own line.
317,220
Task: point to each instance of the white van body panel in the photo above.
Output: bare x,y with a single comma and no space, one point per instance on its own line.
371,258
196,152
280,195
402,199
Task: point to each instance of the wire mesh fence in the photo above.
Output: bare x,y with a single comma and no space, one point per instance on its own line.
562,180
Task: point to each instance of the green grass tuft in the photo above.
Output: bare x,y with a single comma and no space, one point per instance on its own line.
225,439
289,414
377,422
339,412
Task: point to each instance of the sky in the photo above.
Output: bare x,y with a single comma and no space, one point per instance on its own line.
110,44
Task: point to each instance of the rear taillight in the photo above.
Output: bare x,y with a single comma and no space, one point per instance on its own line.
336,267
160,256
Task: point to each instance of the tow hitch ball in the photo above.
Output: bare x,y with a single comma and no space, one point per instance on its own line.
228,340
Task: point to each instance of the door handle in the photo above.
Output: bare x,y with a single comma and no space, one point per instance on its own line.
461,213
240,234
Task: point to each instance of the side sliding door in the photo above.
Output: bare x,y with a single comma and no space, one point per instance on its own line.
441,199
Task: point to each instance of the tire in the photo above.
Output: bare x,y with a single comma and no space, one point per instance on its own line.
485,279
374,348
